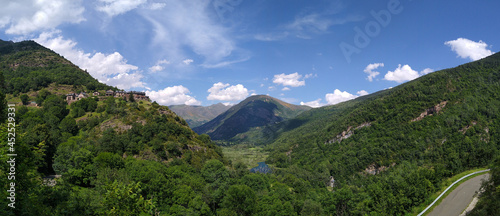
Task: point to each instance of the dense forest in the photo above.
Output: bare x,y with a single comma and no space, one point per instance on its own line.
111,156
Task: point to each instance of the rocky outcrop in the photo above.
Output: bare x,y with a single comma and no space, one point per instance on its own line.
375,169
347,133
431,111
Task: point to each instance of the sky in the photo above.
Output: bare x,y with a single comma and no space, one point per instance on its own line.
202,52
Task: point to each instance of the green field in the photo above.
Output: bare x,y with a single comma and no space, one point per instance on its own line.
247,154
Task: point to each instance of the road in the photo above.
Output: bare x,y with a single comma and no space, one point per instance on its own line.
459,198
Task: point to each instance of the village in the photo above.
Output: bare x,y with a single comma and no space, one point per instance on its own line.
72,97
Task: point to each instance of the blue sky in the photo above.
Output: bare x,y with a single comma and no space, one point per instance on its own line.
313,52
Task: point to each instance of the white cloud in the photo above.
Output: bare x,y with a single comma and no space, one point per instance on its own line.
117,7
225,92
338,96
285,89
426,71
313,104
188,61
184,27
125,80
156,6
27,16
334,98
307,76
174,95
362,93
159,66
401,74
111,69
370,70
466,48
293,80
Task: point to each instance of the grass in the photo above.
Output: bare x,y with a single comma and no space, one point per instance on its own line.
245,153
446,184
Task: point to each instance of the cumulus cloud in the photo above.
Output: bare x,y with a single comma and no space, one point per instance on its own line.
111,69
292,80
466,48
159,66
285,89
117,7
174,95
370,70
426,71
226,92
334,98
401,74
23,17
362,93
338,96
313,104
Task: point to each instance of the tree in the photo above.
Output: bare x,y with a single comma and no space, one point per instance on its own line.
131,97
68,125
125,199
25,99
241,199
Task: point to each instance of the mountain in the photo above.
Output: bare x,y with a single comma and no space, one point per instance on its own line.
389,151
29,66
255,111
198,115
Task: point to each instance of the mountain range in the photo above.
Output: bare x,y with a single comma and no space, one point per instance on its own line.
198,115
385,153
255,111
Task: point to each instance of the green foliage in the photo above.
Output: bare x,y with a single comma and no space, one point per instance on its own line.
122,199
69,125
241,199
24,99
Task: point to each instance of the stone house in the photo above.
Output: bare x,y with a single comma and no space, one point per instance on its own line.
110,93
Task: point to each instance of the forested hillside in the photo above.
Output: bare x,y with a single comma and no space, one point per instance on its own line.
388,151
105,155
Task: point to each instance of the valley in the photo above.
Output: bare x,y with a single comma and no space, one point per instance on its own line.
386,153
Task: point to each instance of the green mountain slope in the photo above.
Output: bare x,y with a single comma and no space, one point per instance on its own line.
255,111
411,136
198,115
29,66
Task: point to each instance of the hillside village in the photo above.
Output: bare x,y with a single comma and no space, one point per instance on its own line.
72,97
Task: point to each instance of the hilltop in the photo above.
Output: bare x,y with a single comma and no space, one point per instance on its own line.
198,115
255,111
28,66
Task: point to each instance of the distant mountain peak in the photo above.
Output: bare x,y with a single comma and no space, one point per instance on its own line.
254,111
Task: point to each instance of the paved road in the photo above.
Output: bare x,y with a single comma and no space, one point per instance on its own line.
459,198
